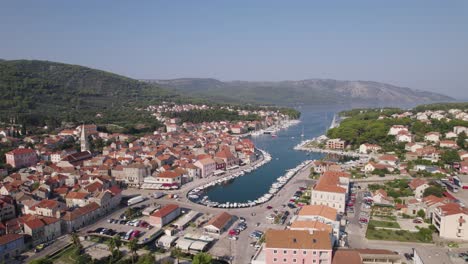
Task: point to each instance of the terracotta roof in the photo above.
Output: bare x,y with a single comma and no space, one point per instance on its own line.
34,223
319,210
415,183
168,174
329,182
220,220
452,208
297,239
20,151
343,256
76,195
5,239
314,225
163,212
78,212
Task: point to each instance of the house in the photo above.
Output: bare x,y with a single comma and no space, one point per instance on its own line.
450,221
169,178
432,137
450,135
77,218
226,155
448,144
46,207
76,199
388,159
207,166
371,166
381,197
11,245
318,218
219,223
369,148
413,146
404,136
21,157
459,129
336,143
7,208
164,215
395,129
418,186
331,190
431,202
42,229
297,246
464,167
366,256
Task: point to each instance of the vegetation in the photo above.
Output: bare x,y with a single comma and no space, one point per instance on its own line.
199,116
424,235
396,188
435,190
202,258
386,224
442,106
38,93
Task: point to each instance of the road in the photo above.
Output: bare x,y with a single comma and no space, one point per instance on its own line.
58,244
240,249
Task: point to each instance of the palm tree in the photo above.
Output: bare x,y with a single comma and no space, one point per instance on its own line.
117,241
76,240
176,253
133,247
111,245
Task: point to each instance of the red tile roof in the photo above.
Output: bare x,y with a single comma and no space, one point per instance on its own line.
166,210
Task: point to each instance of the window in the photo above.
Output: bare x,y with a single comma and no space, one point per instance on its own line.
294,252
294,260
315,252
304,252
275,251
275,259
285,251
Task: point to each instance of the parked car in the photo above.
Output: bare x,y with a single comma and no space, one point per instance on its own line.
269,207
242,219
417,221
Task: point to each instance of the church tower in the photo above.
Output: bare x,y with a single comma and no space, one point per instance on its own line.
84,140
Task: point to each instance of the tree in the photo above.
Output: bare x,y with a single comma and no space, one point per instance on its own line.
202,258
176,253
111,246
450,156
133,247
76,240
146,259
421,213
118,241
433,190
461,140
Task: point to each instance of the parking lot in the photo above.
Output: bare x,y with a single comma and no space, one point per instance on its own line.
118,224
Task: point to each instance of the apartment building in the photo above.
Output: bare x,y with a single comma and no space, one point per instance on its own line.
331,190
297,246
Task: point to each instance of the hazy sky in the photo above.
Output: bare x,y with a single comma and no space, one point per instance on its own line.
418,44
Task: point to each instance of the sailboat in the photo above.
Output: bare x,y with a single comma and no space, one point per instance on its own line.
302,135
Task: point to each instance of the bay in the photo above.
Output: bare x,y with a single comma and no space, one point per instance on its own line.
314,122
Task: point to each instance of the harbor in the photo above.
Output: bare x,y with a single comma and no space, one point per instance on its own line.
257,184
195,194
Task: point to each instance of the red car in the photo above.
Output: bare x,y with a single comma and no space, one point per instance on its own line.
135,234
233,232
269,207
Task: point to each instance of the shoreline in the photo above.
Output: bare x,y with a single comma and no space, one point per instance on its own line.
277,186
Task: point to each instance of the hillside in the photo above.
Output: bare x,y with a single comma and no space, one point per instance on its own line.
312,91
43,92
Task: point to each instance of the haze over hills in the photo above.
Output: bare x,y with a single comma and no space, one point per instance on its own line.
311,91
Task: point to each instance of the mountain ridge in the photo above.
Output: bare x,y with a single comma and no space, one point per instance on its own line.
314,90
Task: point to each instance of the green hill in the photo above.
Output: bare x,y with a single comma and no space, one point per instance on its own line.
42,92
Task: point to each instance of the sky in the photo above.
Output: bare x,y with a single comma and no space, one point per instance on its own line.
417,44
